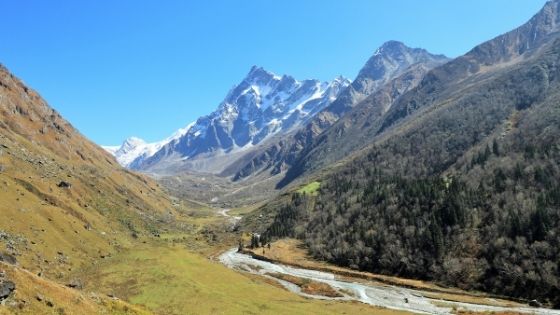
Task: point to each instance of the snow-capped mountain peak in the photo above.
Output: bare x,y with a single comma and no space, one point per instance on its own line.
134,150
131,149
131,143
263,104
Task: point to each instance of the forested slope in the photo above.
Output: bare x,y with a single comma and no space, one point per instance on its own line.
461,184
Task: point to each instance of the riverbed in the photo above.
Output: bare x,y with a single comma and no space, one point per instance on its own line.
388,296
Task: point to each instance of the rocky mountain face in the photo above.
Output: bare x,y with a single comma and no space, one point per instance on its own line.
460,182
388,62
391,71
261,106
356,129
479,63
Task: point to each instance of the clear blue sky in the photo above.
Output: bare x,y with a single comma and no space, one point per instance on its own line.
146,68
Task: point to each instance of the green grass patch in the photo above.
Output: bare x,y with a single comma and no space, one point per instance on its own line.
310,189
171,280
241,211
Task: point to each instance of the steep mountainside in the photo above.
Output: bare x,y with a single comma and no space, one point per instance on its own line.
477,64
261,106
65,202
355,130
392,70
461,182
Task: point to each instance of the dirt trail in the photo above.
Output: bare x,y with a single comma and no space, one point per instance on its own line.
232,219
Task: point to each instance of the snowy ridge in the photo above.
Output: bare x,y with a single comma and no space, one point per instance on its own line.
134,150
263,104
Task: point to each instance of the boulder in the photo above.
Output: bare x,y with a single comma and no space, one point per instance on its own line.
75,284
64,184
7,258
6,288
535,303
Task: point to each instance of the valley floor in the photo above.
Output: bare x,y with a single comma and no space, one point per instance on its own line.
168,279
180,272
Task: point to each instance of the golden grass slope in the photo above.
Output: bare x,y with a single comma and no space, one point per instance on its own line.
54,231
36,295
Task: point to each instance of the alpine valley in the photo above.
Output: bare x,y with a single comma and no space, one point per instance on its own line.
425,185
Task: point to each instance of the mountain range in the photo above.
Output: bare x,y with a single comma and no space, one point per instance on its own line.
266,121
263,105
392,70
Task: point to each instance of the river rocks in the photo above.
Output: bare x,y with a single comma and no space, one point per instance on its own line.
6,289
535,303
7,258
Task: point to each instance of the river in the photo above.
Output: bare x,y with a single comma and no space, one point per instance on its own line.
389,296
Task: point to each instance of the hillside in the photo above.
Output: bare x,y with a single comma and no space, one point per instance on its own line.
66,203
460,184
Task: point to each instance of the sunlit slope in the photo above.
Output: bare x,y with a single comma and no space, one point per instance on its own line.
37,295
64,202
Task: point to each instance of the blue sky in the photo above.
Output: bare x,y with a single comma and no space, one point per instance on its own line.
146,68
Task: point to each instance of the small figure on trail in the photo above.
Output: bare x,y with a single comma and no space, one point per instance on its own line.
268,245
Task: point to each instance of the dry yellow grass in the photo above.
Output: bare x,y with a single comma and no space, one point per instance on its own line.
58,231
94,217
36,295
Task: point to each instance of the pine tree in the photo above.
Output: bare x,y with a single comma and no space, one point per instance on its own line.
495,148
